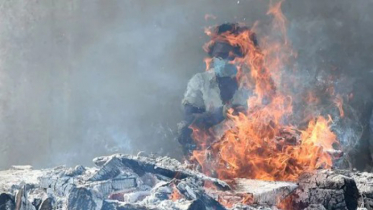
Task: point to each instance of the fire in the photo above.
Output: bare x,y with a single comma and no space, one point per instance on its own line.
229,200
262,151
264,142
318,133
339,103
175,195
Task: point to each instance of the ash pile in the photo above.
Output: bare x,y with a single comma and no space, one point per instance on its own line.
125,182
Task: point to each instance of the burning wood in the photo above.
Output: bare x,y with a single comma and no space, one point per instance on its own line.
263,139
258,156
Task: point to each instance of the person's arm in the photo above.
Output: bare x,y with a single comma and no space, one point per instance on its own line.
195,113
193,102
192,105
198,118
208,119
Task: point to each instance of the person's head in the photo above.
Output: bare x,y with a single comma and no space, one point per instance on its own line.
221,51
220,48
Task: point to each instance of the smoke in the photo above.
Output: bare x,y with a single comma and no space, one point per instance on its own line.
85,78
333,38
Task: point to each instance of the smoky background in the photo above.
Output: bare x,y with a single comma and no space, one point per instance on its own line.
80,79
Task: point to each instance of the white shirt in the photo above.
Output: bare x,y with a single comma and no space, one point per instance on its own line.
203,92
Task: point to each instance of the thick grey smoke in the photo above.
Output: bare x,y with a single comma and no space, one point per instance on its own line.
85,78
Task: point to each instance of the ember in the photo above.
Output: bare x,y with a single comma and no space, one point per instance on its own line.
175,195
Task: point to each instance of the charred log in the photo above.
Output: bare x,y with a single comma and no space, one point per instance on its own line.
110,169
140,165
330,189
47,204
364,183
191,189
6,202
22,202
81,198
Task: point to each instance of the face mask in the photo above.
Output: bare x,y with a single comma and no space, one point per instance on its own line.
224,69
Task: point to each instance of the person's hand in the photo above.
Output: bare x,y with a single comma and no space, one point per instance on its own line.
239,109
234,110
225,110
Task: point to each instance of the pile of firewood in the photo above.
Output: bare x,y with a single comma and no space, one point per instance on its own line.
161,183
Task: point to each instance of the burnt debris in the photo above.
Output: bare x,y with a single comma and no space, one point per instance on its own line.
125,182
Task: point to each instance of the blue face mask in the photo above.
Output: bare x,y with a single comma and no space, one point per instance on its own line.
224,69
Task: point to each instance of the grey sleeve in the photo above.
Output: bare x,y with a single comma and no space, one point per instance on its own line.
193,95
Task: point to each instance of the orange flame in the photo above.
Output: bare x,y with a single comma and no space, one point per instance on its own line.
339,103
175,195
286,203
260,143
231,199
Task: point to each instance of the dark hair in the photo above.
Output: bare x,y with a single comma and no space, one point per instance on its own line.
232,28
